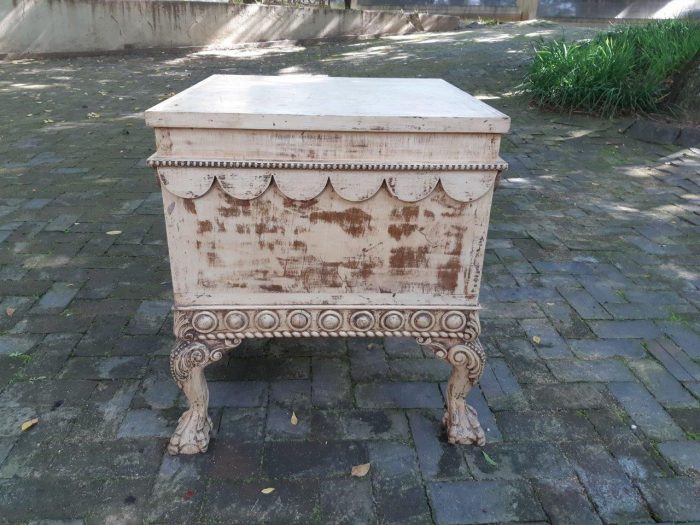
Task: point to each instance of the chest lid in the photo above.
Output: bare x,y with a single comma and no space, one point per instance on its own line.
316,103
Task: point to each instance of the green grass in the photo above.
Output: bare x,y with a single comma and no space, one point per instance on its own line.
623,71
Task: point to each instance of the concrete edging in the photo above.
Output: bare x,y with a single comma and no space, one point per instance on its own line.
50,27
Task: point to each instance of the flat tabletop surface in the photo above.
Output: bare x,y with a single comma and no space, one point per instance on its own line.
305,102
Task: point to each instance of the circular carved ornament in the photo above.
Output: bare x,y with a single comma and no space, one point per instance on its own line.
204,322
330,320
422,320
299,319
362,320
267,320
236,320
454,321
392,320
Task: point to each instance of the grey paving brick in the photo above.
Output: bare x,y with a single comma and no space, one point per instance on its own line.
400,497
636,456
235,460
45,394
524,362
347,501
314,460
683,455
6,445
292,393
566,395
607,348
565,320
104,411
146,423
107,459
268,369
500,386
398,395
565,502
61,223
517,461
292,502
614,496
688,340
663,386
359,425
634,329
673,499
32,452
149,317
179,489
424,369
687,418
367,360
330,385
551,345
402,347
104,368
584,303
645,411
16,344
243,424
157,394
590,371
674,359
57,297
528,426
392,460
437,459
455,502
241,394
279,426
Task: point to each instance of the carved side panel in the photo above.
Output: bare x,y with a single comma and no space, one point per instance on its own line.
222,247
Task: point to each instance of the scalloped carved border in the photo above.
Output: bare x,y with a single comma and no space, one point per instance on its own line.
248,322
155,162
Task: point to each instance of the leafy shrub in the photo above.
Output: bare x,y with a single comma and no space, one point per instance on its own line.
626,70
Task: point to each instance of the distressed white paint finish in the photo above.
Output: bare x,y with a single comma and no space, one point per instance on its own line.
225,248
320,207
345,146
316,103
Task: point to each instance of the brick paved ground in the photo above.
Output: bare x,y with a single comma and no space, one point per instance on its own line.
594,247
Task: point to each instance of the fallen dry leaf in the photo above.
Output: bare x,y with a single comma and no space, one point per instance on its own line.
536,339
10,312
294,420
360,471
29,424
268,490
114,232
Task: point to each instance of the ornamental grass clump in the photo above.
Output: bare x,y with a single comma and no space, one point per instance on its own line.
626,70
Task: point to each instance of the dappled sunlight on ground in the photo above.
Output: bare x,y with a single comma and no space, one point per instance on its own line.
590,319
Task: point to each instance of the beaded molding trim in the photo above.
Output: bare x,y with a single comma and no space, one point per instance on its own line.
219,324
155,162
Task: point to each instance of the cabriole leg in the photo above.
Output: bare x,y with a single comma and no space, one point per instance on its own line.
187,362
467,360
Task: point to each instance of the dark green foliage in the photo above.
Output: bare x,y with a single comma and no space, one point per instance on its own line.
626,70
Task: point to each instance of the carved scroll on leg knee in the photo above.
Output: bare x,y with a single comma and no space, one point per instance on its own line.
467,360
187,362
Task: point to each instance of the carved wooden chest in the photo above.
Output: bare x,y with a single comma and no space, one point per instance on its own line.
300,206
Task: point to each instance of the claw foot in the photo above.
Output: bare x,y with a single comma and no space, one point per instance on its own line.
464,428
191,435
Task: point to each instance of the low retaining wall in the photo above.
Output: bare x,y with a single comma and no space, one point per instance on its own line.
88,26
